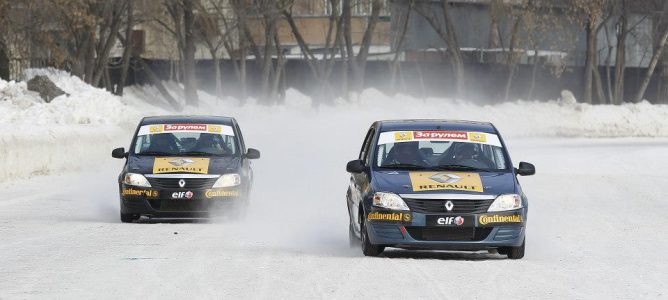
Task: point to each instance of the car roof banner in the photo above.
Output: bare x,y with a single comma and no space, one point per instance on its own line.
390,137
194,128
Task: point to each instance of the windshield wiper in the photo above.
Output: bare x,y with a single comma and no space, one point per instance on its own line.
202,153
403,166
156,153
458,167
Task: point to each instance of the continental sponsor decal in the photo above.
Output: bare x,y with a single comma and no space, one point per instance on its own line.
439,135
185,127
181,165
221,193
478,137
494,219
394,217
403,135
433,181
139,193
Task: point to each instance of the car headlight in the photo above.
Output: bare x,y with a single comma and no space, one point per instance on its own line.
506,202
389,201
227,180
136,180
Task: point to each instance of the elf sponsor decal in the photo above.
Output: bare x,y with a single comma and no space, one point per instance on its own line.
440,135
181,165
139,193
458,220
393,217
221,193
432,181
182,195
185,127
497,219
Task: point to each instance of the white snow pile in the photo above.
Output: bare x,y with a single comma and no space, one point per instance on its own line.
80,129
71,131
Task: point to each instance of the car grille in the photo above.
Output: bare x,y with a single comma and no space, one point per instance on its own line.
449,233
428,206
173,183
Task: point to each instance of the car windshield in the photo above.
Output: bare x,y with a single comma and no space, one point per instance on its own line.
207,140
441,150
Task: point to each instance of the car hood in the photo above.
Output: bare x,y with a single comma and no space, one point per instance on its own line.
187,165
444,182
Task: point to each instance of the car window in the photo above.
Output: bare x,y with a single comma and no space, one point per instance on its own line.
364,154
439,149
205,140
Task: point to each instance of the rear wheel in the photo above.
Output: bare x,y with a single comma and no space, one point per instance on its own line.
516,252
128,218
369,249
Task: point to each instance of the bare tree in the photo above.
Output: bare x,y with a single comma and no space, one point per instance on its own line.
658,52
321,66
445,28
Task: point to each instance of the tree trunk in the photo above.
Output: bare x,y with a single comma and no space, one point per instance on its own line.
189,79
127,50
652,66
158,84
399,46
511,56
590,59
620,63
454,50
534,71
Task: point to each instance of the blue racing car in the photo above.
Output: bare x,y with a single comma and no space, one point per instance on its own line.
436,184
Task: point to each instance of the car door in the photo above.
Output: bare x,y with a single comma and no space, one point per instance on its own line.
246,165
359,183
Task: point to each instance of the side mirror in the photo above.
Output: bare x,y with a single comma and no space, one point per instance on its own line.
525,169
119,153
252,153
355,166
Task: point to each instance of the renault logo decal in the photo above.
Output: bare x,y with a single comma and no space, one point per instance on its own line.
182,183
445,178
449,205
181,162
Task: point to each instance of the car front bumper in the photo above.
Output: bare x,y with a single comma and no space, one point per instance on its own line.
177,203
478,232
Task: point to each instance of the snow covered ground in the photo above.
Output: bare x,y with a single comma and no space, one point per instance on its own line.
596,205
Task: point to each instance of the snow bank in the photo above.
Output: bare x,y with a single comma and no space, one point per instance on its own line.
81,129
66,134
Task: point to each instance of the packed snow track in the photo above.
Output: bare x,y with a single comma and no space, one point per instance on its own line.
597,211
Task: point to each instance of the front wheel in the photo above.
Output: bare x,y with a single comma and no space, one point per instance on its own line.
369,249
516,252
129,218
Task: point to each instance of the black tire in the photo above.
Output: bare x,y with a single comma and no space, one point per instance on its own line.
369,249
353,240
128,218
516,252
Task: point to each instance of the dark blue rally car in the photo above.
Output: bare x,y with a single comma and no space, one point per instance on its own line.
436,184
185,166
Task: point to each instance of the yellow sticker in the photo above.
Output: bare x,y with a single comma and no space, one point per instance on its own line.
403,135
490,219
215,129
379,216
156,128
477,137
433,181
181,165
221,193
137,192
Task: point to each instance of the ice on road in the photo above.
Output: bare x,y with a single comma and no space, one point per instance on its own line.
595,230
